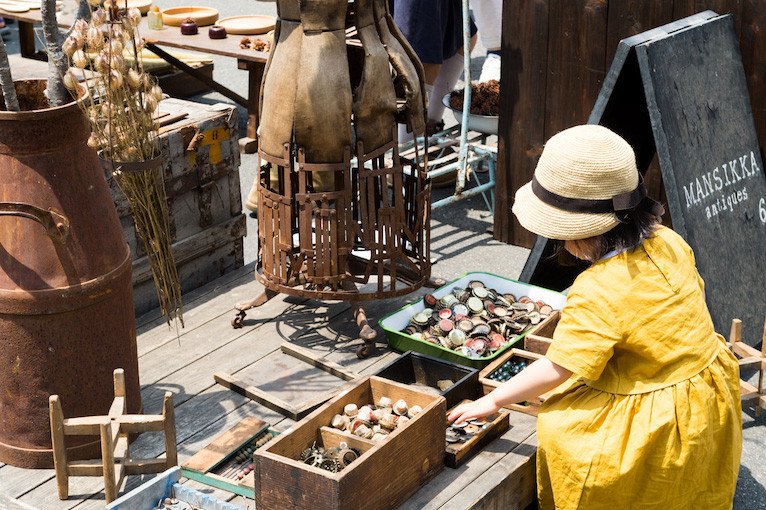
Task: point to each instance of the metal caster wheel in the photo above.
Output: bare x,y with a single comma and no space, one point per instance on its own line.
236,322
364,350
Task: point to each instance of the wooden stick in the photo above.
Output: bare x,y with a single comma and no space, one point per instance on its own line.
763,354
169,419
107,459
257,394
314,359
59,446
736,331
119,382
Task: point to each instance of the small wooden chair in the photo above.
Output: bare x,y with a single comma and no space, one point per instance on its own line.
114,427
749,358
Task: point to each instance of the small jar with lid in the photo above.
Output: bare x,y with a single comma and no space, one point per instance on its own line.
154,19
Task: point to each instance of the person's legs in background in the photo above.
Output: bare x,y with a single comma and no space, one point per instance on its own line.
447,76
488,16
434,29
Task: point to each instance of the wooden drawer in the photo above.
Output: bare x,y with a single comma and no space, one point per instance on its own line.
488,384
386,473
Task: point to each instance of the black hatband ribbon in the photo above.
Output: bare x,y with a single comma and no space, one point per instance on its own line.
622,203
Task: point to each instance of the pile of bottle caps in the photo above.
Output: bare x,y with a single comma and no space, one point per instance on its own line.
476,321
464,431
375,421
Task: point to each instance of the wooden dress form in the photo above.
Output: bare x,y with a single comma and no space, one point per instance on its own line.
336,204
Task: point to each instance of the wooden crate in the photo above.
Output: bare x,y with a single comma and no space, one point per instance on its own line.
488,384
458,453
386,473
201,170
539,339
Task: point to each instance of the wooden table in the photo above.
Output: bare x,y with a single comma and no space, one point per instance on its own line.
254,62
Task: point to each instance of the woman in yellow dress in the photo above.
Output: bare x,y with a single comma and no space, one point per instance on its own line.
646,411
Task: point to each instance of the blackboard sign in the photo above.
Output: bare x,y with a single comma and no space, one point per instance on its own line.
679,91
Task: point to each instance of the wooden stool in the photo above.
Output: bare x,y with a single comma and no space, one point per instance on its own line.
749,358
115,462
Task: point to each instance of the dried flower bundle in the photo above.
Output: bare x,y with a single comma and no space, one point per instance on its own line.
121,108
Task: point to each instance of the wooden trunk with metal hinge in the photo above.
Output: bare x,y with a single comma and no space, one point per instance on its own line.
200,163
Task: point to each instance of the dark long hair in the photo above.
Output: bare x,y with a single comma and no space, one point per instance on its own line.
635,226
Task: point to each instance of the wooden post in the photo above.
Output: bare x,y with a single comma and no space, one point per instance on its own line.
107,462
59,446
735,335
763,355
169,425
27,39
248,143
119,382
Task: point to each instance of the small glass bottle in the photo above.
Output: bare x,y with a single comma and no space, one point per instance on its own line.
154,19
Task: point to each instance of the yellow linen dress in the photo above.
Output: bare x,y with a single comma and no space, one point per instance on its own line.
651,417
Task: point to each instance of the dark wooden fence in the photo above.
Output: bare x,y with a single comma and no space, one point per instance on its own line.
555,56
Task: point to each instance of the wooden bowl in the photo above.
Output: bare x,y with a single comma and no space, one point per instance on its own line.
141,5
248,25
203,16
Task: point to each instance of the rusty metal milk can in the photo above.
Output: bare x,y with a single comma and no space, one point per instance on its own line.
66,296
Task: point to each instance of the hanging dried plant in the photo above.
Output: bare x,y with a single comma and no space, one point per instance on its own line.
121,106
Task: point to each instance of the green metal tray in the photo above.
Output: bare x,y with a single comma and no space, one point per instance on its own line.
394,323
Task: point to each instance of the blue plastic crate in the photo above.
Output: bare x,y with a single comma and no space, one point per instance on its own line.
149,494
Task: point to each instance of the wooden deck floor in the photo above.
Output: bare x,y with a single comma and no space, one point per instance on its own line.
185,365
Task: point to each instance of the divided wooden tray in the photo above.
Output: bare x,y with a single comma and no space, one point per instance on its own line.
384,476
458,453
209,464
488,384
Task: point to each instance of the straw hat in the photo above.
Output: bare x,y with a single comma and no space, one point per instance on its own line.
585,174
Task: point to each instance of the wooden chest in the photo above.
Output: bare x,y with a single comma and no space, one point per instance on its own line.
385,474
200,164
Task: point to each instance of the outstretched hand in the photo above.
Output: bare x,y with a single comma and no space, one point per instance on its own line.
477,409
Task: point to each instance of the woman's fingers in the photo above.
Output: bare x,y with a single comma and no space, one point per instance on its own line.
477,409
457,414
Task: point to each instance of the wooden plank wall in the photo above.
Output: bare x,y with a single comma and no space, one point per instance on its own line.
555,56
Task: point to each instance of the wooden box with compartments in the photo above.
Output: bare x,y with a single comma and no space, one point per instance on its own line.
503,369
377,474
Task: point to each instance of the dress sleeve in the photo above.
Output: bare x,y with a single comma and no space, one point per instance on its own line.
585,336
